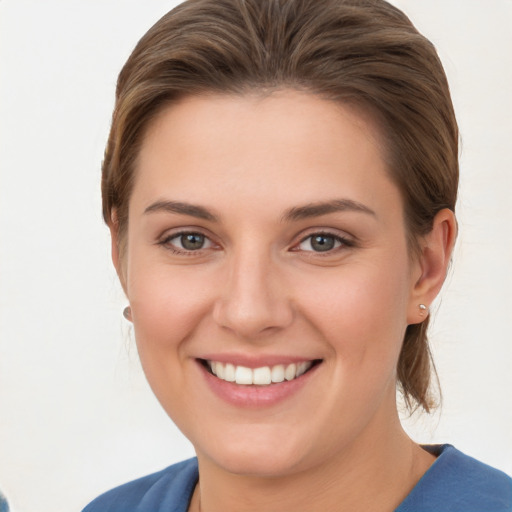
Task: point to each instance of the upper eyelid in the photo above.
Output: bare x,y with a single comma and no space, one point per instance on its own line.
336,233
176,232
323,232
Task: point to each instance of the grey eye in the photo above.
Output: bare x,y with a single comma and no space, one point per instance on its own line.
320,243
192,241
188,242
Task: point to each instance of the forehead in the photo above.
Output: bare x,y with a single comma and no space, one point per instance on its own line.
265,112
254,144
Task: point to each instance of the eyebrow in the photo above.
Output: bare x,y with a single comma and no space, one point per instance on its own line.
293,214
323,208
181,208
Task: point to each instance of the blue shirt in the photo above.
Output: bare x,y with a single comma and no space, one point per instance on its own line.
4,507
454,483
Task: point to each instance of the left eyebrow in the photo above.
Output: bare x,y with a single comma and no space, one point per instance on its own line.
322,208
181,209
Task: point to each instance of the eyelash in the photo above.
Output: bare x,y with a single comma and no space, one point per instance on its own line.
342,242
166,242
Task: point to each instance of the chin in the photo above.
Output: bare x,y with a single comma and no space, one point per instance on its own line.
256,456
257,466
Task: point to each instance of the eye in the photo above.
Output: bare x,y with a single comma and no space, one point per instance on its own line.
187,242
321,242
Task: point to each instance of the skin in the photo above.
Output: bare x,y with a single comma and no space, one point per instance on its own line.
258,287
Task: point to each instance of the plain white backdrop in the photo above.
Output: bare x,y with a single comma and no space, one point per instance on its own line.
76,414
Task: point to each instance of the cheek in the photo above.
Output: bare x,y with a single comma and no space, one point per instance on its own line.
361,311
168,307
167,304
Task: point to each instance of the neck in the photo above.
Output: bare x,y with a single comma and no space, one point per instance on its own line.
376,472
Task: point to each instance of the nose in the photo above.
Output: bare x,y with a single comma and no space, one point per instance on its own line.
254,299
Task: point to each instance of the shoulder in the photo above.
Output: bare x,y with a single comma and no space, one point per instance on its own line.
459,483
169,490
4,507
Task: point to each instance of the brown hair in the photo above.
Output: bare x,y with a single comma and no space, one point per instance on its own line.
359,51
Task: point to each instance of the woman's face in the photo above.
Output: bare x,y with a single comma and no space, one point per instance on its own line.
266,239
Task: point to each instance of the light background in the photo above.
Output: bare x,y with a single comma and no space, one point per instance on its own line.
76,415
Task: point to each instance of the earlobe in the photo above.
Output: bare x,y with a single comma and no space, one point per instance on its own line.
433,262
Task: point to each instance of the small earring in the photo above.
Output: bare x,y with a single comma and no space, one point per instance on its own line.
127,313
423,308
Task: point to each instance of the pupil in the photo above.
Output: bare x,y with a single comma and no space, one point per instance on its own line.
322,243
192,242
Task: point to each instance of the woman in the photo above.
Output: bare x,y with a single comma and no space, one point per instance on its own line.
280,184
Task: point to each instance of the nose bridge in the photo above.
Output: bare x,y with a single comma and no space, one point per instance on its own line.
253,299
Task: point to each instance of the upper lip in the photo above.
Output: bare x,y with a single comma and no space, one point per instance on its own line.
256,361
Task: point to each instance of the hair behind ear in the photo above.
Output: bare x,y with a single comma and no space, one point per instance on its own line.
416,370
117,249
415,365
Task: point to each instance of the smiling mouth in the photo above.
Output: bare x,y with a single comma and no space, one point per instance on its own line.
262,376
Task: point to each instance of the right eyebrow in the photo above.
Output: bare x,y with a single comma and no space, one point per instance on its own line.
182,209
324,208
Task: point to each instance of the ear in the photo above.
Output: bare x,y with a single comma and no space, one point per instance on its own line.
432,264
115,248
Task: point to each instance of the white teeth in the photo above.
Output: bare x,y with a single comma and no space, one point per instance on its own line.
229,372
301,369
219,368
262,376
243,375
290,372
277,374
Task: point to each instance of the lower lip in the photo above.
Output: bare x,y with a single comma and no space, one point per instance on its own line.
256,396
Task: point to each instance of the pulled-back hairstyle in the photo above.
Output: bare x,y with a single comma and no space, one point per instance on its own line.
364,52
